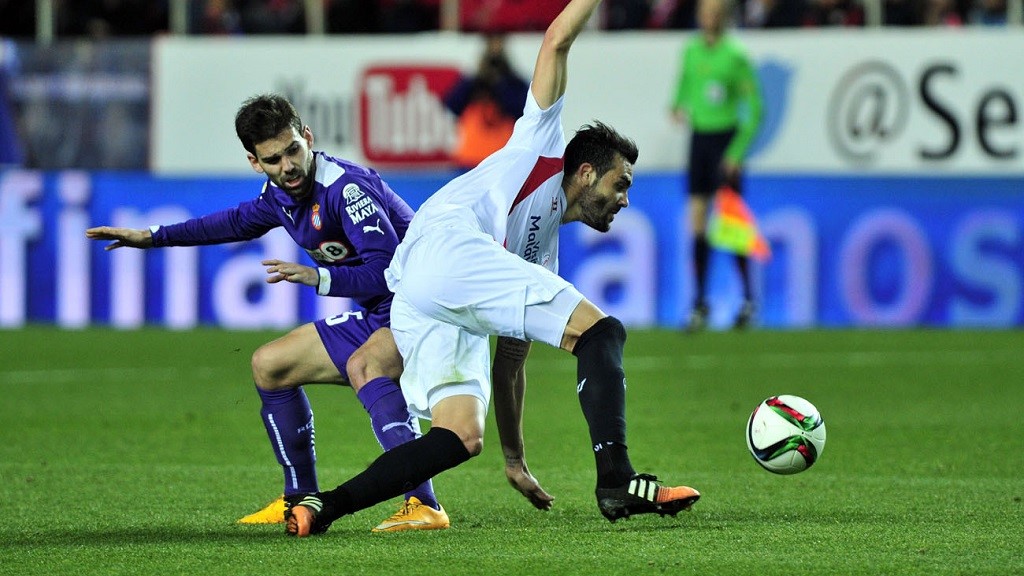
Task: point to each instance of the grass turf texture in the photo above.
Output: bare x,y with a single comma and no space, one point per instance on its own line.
135,452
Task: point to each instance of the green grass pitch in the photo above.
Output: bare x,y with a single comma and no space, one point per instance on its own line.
133,452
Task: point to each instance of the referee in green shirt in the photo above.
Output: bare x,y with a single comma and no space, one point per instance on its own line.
718,94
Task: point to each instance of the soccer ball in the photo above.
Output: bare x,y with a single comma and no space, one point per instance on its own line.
785,434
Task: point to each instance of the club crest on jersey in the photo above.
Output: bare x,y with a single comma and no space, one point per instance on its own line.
315,219
358,205
352,193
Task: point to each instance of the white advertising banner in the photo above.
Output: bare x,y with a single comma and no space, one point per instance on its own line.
920,102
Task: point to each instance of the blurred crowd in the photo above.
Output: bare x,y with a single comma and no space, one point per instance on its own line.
86,104
122,18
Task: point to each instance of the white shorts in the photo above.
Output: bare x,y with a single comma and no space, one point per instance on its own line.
454,286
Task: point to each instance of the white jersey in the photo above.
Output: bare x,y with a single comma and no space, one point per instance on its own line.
515,194
533,224
480,258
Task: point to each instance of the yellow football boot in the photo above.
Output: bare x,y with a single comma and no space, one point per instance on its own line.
414,515
272,513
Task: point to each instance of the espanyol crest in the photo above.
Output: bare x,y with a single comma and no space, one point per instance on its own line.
316,220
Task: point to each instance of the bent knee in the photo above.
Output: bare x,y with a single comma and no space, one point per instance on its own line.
269,370
472,439
369,362
474,445
358,369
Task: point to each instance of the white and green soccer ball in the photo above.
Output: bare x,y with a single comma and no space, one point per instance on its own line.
785,434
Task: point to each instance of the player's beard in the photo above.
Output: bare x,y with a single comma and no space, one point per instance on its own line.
307,175
595,211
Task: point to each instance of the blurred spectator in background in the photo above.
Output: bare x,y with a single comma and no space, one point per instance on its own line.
105,18
127,18
989,13
674,14
942,13
272,16
902,12
774,13
834,13
718,94
626,14
487,105
247,17
215,17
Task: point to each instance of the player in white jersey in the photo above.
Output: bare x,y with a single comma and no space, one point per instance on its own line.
480,259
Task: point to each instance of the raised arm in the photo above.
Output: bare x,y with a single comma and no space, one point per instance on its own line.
550,73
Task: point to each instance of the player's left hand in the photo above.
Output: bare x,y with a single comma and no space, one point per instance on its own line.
121,237
520,478
291,272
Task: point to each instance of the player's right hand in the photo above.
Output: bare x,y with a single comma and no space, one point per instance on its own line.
130,237
279,271
520,478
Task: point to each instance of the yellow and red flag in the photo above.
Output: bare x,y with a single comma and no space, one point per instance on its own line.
732,226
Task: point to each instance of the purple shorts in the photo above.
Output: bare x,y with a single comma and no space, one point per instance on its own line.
343,333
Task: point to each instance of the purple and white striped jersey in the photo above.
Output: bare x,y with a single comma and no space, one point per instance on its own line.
350,226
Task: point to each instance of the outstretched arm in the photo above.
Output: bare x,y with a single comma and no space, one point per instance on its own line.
246,221
121,237
549,74
509,377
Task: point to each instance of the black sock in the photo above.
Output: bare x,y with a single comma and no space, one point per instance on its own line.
613,466
743,265
601,386
397,471
701,253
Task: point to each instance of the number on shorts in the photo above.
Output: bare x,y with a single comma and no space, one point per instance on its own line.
343,317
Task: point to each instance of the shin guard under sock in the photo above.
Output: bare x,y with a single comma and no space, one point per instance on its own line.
289,422
393,425
398,470
601,387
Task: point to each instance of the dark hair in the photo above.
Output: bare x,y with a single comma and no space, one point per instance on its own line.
597,144
264,116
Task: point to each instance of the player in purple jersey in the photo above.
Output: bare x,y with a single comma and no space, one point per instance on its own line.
480,259
349,221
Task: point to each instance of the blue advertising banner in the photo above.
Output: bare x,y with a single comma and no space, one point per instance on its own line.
878,251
